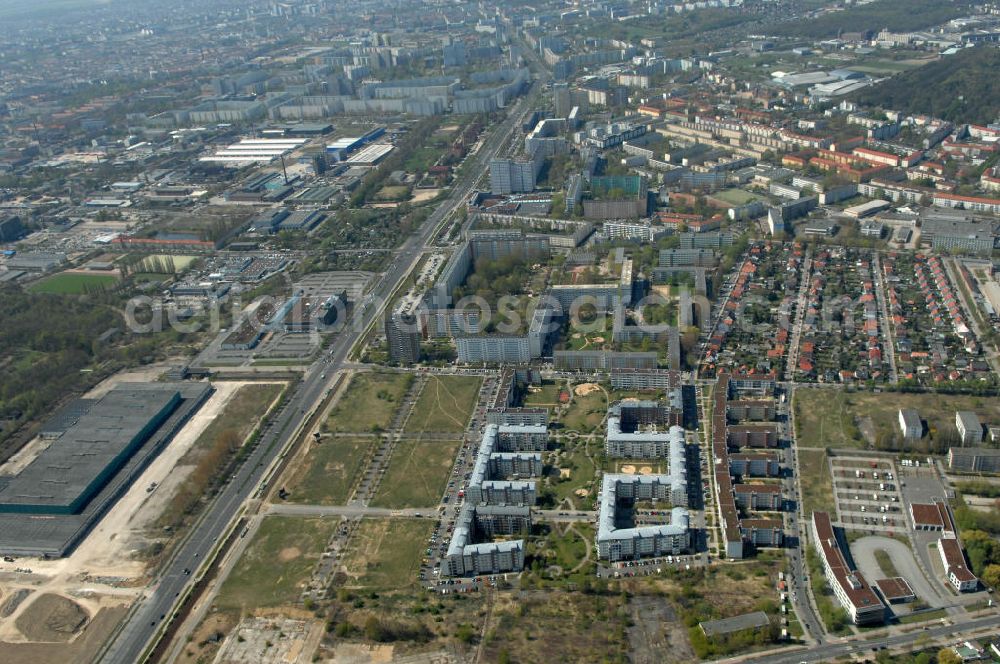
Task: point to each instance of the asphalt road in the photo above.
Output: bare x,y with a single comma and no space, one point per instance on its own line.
832,650
139,628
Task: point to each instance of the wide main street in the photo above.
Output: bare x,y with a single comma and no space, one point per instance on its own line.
143,623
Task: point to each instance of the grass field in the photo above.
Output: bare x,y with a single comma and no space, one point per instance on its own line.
885,564
277,564
393,193
734,196
546,394
831,418
585,413
817,484
73,283
445,404
385,554
369,403
417,474
576,473
328,472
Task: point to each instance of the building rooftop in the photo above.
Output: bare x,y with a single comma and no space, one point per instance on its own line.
926,515
951,549
64,476
753,620
855,588
894,589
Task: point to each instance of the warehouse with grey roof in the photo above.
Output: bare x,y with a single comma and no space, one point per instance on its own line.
98,447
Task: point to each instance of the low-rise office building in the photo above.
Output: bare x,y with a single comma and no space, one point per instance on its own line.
849,586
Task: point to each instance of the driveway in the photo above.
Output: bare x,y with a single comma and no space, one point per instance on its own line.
863,551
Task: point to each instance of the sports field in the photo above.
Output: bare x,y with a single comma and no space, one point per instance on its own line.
73,283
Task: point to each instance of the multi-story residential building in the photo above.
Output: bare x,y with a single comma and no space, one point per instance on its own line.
493,349
502,492
753,435
765,497
465,557
969,428
754,465
757,410
592,360
514,175
973,203
614,543
644,379
974,459
402,333
518,417
910,425
948,232
513,437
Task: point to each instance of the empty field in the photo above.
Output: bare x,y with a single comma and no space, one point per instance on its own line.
817,484
385,554
445,404
836,418
369,402
73,283
329,470
276,566
417,474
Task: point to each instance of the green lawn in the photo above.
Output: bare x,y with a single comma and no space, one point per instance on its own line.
734,196
574,471
816,482
393,193
831,417
276,566
329,470
369,402
585,413
73,283
885,564
546,394
385,554
445,405
417,474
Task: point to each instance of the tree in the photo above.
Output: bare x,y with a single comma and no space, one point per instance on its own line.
948,656
465,633
373,629
991,576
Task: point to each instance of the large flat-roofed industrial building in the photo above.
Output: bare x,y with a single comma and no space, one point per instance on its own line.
95,452
67,474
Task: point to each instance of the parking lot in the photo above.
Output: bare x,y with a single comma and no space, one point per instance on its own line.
867,494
